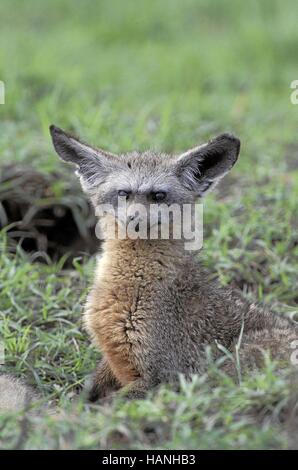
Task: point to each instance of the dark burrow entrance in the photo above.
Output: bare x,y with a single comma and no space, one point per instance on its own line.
47,215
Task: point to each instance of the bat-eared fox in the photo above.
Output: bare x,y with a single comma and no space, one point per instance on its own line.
153,309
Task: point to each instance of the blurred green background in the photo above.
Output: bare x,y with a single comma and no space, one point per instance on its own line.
164,74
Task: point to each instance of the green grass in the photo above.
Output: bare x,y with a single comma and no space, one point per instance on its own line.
166,75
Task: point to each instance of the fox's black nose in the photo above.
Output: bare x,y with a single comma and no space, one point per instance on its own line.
133,216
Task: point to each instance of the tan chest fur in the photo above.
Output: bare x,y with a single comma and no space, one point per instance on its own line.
119,303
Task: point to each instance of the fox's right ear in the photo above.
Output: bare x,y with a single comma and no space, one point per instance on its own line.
93,165
200,168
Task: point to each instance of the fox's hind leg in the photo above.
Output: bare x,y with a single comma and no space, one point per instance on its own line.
281,344
102,381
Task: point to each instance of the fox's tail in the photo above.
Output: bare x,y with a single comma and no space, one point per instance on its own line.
15,395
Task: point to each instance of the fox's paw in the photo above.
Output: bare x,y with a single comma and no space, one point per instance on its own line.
101,383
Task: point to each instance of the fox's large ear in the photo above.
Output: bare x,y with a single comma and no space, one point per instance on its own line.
93,165
200,168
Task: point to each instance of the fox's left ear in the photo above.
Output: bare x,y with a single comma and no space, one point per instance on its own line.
200,168
92,164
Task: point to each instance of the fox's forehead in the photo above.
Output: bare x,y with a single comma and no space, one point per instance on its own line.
143,172
147,161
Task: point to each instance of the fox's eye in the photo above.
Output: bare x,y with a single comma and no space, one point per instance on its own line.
158,196
123,193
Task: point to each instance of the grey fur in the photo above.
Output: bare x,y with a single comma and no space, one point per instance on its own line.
15,395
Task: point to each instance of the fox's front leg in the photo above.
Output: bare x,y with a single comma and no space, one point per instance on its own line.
138,389
102,383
